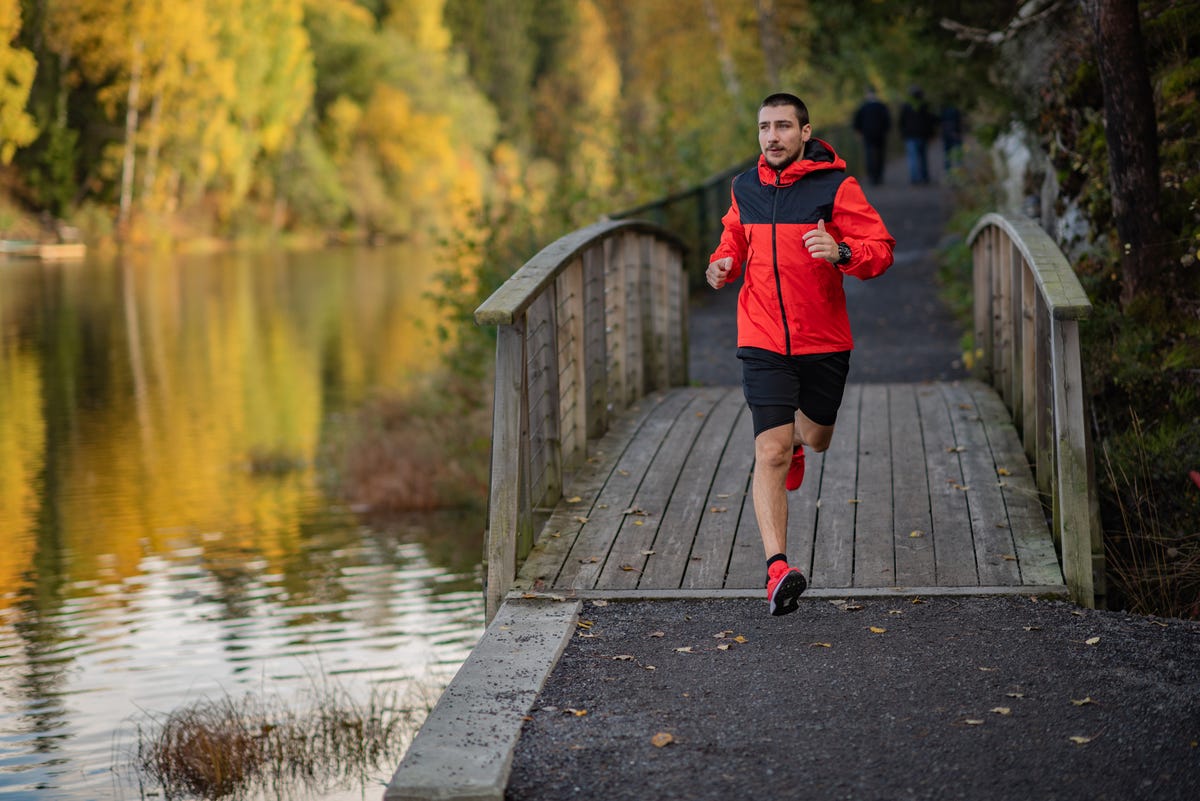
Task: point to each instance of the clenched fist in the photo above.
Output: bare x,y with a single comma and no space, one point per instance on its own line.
718,272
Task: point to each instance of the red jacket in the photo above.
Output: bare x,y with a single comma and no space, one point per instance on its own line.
790,302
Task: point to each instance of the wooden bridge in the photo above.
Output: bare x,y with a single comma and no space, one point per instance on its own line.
612,478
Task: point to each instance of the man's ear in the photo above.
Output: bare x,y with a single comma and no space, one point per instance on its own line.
806,132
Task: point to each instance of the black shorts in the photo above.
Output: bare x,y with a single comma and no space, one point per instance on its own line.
776,386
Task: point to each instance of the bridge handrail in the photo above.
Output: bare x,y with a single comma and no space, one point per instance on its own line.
593,322
1028,303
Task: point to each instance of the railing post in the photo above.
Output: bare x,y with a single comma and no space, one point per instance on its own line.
1071,446
509,514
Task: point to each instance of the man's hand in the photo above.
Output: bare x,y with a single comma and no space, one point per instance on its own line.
821,244
718,271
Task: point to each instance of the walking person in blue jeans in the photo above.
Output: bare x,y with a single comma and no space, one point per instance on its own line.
917,126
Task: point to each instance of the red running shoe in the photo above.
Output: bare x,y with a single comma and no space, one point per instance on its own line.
784,587
795,476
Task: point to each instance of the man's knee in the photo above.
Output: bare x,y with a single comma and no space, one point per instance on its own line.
772,451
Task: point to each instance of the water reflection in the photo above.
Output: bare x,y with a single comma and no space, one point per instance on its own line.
164,532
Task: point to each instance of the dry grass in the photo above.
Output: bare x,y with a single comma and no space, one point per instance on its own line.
1157,570
236,748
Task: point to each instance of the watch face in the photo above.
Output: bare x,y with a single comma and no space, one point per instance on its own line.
843,253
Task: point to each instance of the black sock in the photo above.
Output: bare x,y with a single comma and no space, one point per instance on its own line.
779,557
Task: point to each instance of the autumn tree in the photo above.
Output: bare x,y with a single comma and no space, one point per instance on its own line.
17,67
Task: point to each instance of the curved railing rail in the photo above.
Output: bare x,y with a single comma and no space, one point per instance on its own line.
586,327
1028,303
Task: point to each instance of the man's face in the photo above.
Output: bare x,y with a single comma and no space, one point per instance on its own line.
780,135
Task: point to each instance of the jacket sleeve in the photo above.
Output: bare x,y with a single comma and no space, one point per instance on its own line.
733,239
861,227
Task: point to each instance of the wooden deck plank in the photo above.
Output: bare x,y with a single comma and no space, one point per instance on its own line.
954,551
911,523
874,550
627,558
709,560
900,458
544,563
1036,557
596,535
833,546
995,553
679,531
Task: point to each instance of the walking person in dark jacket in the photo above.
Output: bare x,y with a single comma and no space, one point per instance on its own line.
917,126
797,223
872,121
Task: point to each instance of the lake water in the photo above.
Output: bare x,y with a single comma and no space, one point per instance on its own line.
148,559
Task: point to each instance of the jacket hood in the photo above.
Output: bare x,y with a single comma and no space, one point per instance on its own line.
818,155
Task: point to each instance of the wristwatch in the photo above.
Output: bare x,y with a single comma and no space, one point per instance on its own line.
843,254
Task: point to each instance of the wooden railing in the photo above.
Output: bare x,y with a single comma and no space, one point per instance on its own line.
1028,303
586,327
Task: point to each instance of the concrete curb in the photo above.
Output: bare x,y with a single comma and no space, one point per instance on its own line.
464,750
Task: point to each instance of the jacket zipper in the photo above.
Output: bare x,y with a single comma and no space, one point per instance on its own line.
787,335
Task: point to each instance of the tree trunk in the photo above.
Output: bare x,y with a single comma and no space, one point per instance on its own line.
1131,134
768,36
733,87
131,125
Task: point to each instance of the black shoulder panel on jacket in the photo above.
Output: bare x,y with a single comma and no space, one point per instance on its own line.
806,201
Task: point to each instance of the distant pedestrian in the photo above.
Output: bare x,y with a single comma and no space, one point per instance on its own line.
810,224
872,121
952,136
917,126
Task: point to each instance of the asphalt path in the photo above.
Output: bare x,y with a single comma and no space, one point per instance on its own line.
870,698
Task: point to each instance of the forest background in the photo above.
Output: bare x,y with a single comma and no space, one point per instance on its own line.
486,128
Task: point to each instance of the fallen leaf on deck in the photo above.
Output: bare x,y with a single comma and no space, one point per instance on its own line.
1083,701
965,406
635,510
1081,740
590,560
580,519
639,522
1008,557
661,739
1092,640
955,449
724,494
916,533
854,500
962,487
878,630
1002,710
1003,471
574,499
630,568
718,509
623,472
649,553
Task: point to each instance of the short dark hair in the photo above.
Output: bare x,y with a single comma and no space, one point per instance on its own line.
786,99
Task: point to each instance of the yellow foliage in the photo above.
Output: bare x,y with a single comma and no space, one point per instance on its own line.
17,68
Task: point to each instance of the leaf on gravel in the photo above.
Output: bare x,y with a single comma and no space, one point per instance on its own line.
1083,701
973,722
576,712
600,602
1015,695
820,645
624,657
918,600
878,630
1002,710
989,669
687,649
574,499
649,667
1092,640
661,739
724,646
657,634
895,611
1081,740
1032,628
585,624
720,635
588,635
740,639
